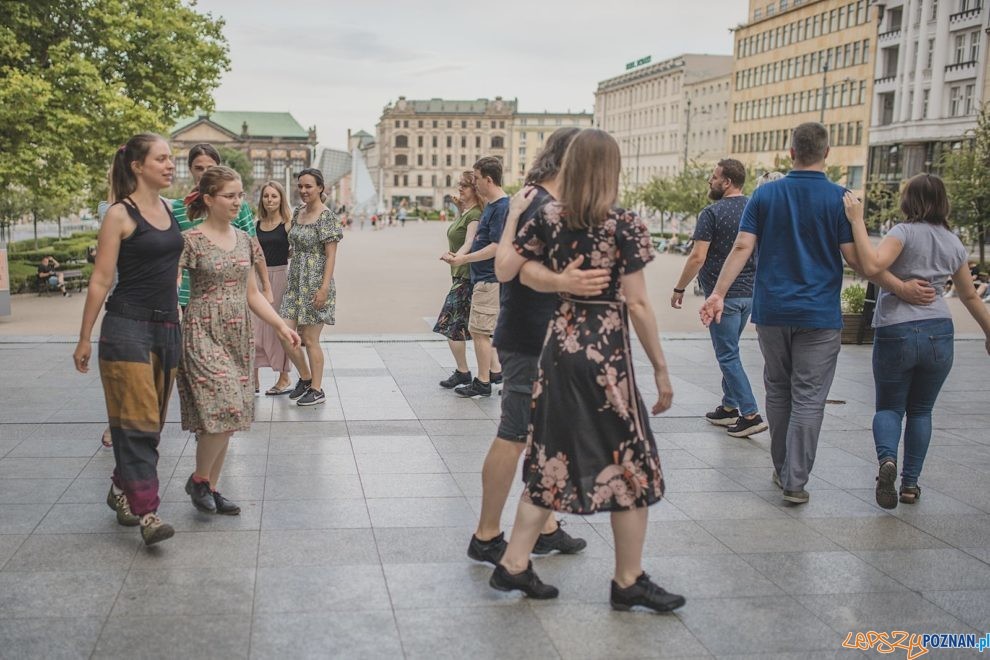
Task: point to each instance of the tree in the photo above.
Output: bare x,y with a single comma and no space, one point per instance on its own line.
882,204
81,76
966,171
237,161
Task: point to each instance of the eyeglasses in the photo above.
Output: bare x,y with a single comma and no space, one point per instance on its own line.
232,196
463,184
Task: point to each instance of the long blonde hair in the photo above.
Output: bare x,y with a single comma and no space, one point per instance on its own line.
589,178
283,207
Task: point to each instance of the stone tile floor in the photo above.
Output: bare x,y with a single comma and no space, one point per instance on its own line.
357,515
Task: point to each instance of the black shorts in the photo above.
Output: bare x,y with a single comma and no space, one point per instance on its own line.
519,372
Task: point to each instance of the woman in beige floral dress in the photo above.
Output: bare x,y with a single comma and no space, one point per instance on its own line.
591,448
216,387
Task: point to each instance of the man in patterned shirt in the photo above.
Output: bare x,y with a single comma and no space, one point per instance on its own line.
201,158
714,235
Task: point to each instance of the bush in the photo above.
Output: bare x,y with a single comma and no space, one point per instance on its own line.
65,250
853,299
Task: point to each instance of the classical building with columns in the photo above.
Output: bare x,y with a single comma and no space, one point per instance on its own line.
665,113
931,79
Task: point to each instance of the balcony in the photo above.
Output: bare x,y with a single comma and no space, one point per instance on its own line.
884,80
965,15
890,35
960,71
961,66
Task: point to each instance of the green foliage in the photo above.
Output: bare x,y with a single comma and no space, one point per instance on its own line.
966,172
882,204
684,194
238,161
65,250
853,299
81,76
512,188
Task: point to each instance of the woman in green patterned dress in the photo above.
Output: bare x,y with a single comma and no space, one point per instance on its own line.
310,297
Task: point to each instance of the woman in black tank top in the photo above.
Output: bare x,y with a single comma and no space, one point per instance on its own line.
140,343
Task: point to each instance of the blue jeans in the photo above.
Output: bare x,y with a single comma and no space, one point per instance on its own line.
910,363
736,390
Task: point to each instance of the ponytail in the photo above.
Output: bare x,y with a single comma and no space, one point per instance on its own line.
123,181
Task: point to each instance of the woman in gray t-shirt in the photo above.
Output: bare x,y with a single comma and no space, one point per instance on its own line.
913,350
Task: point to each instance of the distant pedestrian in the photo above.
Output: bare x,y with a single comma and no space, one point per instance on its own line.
713,237
272,230
402,214
310,298
140,341
215,373
913,351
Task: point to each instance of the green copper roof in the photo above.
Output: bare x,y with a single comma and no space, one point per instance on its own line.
259,124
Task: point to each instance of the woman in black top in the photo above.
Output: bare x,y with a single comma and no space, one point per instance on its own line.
139,339
274,221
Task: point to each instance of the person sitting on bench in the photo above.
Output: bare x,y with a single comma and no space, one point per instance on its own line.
47,273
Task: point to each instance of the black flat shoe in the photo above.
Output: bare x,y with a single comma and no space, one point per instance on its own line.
560,541
527,582
201,496
224,506
490,551
644,593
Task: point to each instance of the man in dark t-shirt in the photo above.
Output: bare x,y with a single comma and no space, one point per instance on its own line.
713,238
48,274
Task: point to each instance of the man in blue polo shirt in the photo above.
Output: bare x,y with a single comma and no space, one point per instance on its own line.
798,229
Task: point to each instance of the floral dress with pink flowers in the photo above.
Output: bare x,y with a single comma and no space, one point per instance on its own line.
590,446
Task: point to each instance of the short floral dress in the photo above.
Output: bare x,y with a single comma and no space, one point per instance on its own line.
306,270
590,445
216,387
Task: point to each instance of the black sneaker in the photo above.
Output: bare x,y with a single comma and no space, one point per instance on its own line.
527,582
886,493
722,417
311,398
560,541
487,551
302,386
644,593
455,379
495,377
743,428
474,388
201,496
224,506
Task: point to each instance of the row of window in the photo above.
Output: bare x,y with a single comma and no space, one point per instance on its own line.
402,160
838,95
497,141
404,123
772,8
842,18
260,168
843,134
419,179
645,91
840,57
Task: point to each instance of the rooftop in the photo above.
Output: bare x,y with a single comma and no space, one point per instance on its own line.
259,124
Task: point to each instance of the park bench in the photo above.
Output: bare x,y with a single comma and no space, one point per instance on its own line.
74,280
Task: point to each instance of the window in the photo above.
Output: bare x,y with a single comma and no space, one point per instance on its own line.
433,160
477,124
974,46
955,99
464,123
434,141
401,160
278,169
405,123
434,123
854,177
398,124
463,141
450,141
401,141
450,124
181,168
449,161
258,168
420,123
494,123
297,164
419,160
419,180
960,49
931,54
968,108
501,124
405,180
419,140
498,142
395,180
477,142
924,103
463,160
934,10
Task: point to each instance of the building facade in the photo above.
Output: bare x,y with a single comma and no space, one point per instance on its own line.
530,131
666,113
798,61
931,79
274,142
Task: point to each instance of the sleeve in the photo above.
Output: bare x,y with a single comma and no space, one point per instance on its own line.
531,239
899,232
187,260
750,221
328,228
634,244
245,220
705,228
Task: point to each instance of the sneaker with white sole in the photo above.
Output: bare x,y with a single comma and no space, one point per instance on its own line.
744,427
311,398
722,417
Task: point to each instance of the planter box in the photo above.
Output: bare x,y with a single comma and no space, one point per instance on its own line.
851,324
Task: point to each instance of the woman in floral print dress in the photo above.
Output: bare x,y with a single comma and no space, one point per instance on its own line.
591,448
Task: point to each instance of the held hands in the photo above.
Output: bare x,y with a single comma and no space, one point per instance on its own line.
454,259
320,298
676,300
288,336
84,350
854,207
916,292
712,310
585,283
665,392
521,200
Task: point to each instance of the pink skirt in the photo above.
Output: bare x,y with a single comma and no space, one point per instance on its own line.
268,349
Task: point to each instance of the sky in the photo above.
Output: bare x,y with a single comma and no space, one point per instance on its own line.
335,64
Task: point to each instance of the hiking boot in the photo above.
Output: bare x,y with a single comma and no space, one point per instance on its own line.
153,530
796,496
722,417
455,379
886,493
201,496
302,386
644,593
312,398
560,541
527,582
743,428
474,388
224,506
123,509
487,551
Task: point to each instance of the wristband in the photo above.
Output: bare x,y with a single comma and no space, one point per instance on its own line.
678,290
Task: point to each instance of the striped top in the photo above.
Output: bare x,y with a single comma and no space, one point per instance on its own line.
244,221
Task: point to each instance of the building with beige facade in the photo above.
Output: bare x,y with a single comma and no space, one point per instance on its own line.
530,131
799,61
931,80
664,113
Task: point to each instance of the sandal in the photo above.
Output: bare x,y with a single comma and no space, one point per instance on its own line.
910,494
885,493
275,391
107,439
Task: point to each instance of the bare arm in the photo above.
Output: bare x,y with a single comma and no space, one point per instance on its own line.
694,263
963,281
913,292
507,260
472,230
261,268
645,324
571,280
